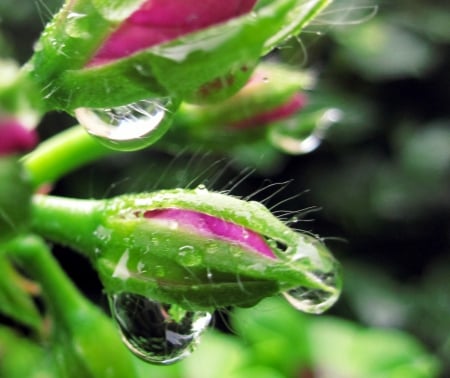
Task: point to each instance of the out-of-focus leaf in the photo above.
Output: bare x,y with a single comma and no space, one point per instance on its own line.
382,50
330,346
342,348
21,358
15,301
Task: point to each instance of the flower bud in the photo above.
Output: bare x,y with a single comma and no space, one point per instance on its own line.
15,138
273,93
159,21
115,55
194,248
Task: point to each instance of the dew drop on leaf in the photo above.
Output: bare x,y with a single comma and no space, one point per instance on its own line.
128,127
157,333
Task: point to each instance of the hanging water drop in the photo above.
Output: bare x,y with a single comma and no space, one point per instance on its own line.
313,300
304,134
156,332
317,265
129,127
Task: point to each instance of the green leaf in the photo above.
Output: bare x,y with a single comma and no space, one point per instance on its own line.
15,301
22,358
290,342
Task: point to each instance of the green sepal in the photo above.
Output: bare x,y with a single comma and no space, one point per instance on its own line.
67,42
15,198
301,13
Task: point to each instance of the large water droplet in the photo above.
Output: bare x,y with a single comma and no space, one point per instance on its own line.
129,127
157,333
313,260
316,301
303,135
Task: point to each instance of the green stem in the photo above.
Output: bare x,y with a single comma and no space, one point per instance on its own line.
85,343
35,257
68,221
61,154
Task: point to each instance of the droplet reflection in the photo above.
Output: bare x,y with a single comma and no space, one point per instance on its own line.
129,127
158,333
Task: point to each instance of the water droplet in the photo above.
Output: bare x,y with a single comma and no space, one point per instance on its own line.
303,135
316,301
316,264
157,333
141,267
201,189
74,27
129,127
103,233
159,271
212,248
188,256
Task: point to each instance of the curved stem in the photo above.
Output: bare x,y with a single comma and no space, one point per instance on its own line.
61,154
35,257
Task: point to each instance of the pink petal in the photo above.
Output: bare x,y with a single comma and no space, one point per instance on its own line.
213,227
15,138
159,21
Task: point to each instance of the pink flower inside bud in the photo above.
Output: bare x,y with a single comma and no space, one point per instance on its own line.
292,106
15,138
212,227
159,21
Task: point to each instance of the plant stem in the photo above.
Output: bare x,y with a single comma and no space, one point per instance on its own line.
35,257
71,222
61,154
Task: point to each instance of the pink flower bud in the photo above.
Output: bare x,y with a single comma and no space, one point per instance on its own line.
284,111
15,138
212,227
159,21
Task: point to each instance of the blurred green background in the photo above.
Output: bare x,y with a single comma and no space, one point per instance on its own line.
377,190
